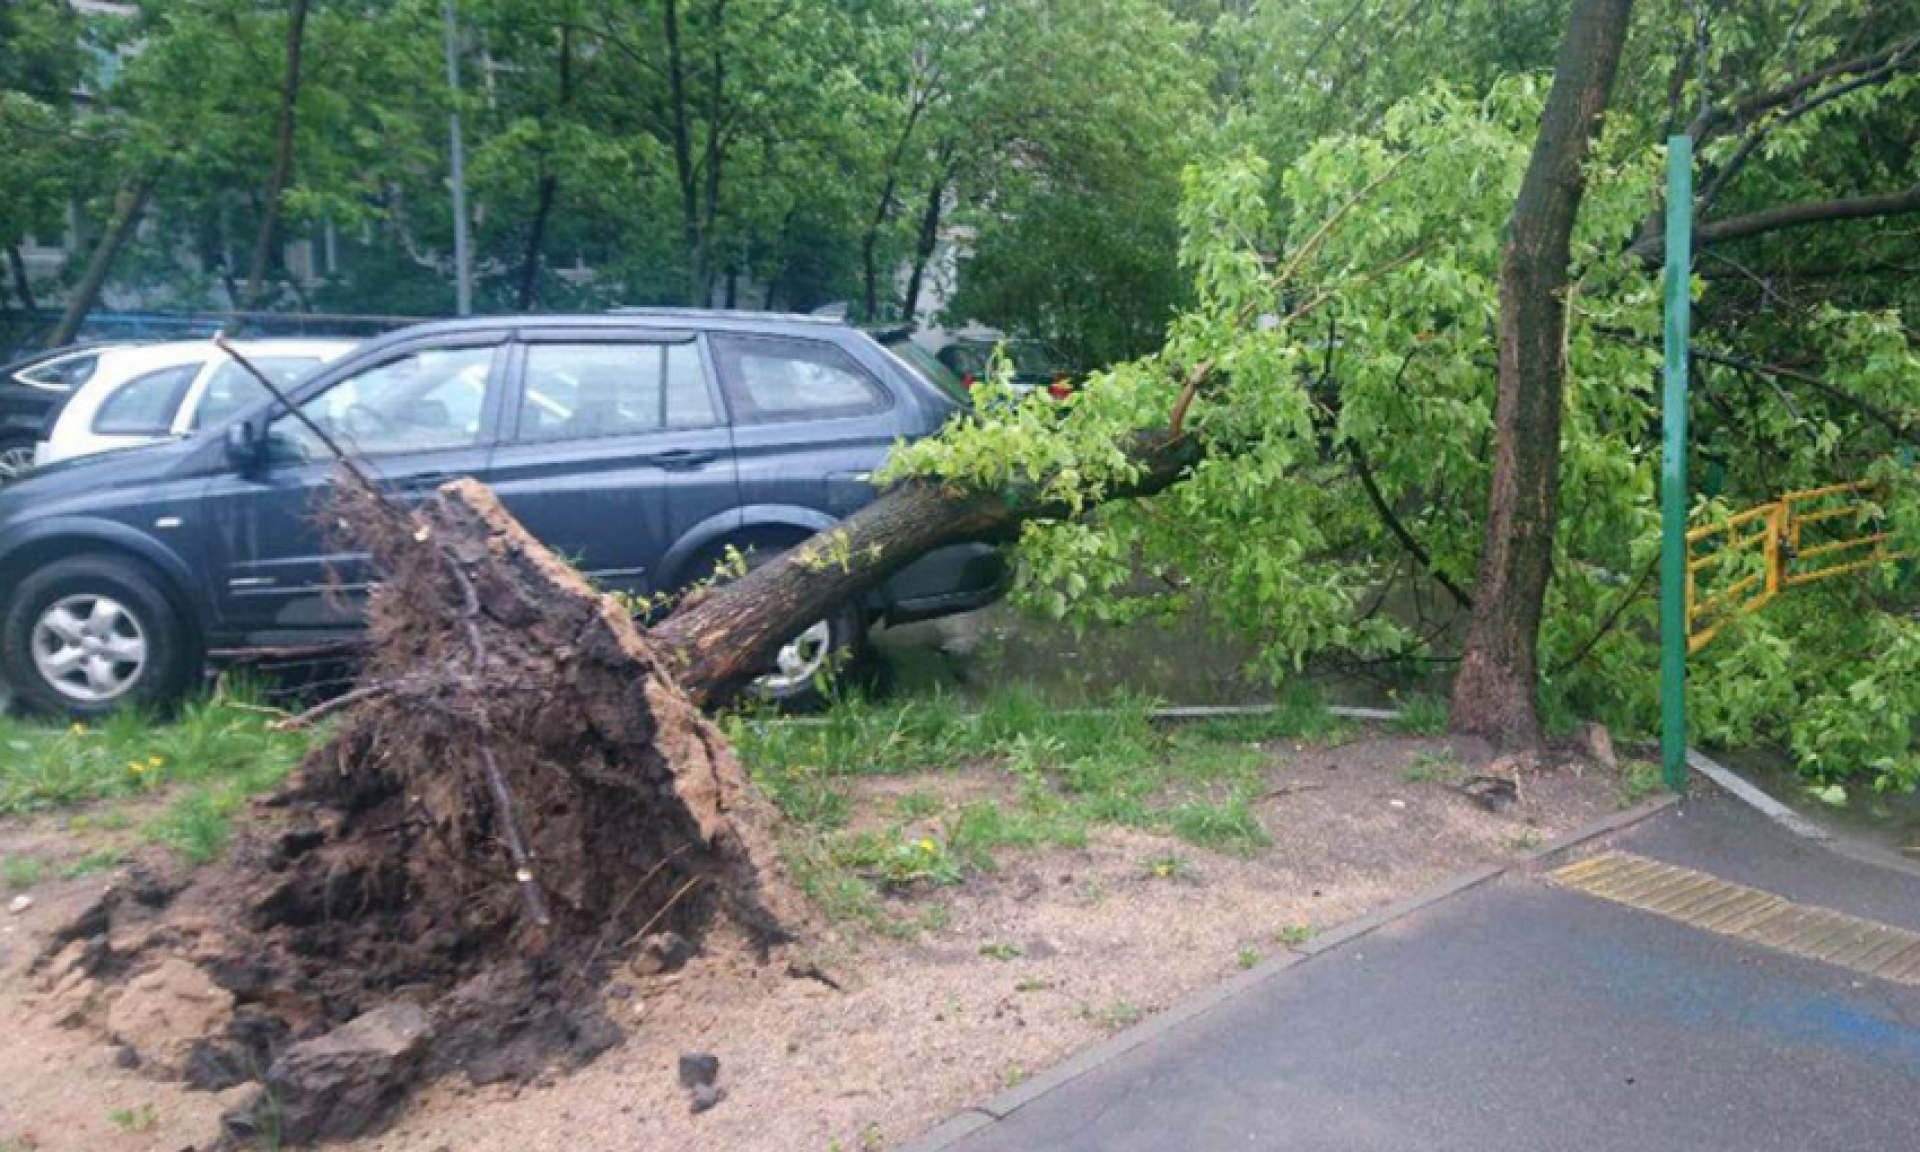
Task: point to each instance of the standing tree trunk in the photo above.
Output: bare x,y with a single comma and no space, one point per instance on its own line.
929,236
22,283
1495,693
282,155
549,190
128,206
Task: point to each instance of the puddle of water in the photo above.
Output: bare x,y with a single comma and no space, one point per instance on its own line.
1178,663
1890,821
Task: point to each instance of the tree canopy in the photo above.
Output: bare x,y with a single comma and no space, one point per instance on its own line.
1282,220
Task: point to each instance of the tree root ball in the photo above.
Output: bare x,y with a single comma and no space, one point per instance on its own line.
512,797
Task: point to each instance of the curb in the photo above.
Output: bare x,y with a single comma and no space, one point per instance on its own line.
1003,1104
1744,790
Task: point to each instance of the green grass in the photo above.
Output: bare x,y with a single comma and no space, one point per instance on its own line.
22,872
1422,716
1066,772
50,765
1639,779
207,760
1433,767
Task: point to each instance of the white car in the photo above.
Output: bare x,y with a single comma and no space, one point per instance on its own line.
151,392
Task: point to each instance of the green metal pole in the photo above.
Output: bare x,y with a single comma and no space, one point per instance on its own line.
1673,467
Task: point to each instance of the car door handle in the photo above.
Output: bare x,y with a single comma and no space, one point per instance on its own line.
678,458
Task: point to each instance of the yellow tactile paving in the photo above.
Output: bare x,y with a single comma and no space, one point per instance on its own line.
1704,901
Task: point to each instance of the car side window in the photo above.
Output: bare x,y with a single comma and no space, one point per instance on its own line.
770,379
422,401
145,405
580,391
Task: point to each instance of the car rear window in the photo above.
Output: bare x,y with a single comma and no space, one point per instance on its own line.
145,405
580,391
778,378
923,365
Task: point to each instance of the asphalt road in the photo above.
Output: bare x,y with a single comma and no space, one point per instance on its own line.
1517,1015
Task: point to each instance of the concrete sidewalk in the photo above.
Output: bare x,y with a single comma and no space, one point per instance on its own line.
1518,1014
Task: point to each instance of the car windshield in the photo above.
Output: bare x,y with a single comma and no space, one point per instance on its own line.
233,387
923,365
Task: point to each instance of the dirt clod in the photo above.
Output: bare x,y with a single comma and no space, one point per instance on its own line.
705,1097
342,1084
165,1010
662,952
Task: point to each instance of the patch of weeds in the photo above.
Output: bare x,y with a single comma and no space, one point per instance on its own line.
1524,842
1013,1076
98,860
1639,779
1166,866
1229,826
1294,935
917,805
1434,766
1032,984
1092,892
141,1119
871,1139
888,858
804,795
1204,761
198,823
22,872
838,893
221,738
18,1144
1115,1016
1422,716
981,827
934,918
1299,714
1247,957
1001,952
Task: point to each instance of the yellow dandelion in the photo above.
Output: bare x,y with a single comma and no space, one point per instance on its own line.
78,729
926,845
156,761
135,767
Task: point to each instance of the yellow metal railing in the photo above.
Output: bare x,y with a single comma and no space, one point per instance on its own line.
1802,538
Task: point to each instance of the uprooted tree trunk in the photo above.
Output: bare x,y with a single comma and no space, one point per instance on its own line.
521,788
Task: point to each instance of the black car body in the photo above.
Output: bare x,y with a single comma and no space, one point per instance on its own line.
639,446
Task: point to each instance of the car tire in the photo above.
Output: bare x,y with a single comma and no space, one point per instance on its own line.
836,646
16,456
88,635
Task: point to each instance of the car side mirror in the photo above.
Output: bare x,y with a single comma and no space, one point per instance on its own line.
245,447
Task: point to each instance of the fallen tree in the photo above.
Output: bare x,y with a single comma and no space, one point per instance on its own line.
520,793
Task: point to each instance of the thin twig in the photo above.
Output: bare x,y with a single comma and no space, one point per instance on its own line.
664,909
510,829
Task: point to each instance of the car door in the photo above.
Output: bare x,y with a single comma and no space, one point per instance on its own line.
810,422
617,447
413,418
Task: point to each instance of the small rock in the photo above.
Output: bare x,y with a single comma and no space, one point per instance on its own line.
662,952
1596,744
125,1056
698,1068
20,904
706,1096
1494,793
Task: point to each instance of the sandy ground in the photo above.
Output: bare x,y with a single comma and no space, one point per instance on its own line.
1054,950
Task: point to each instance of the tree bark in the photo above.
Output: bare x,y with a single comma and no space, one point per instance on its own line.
22,283
548,191
282,155
928,238
129,204
719,642
1494,694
